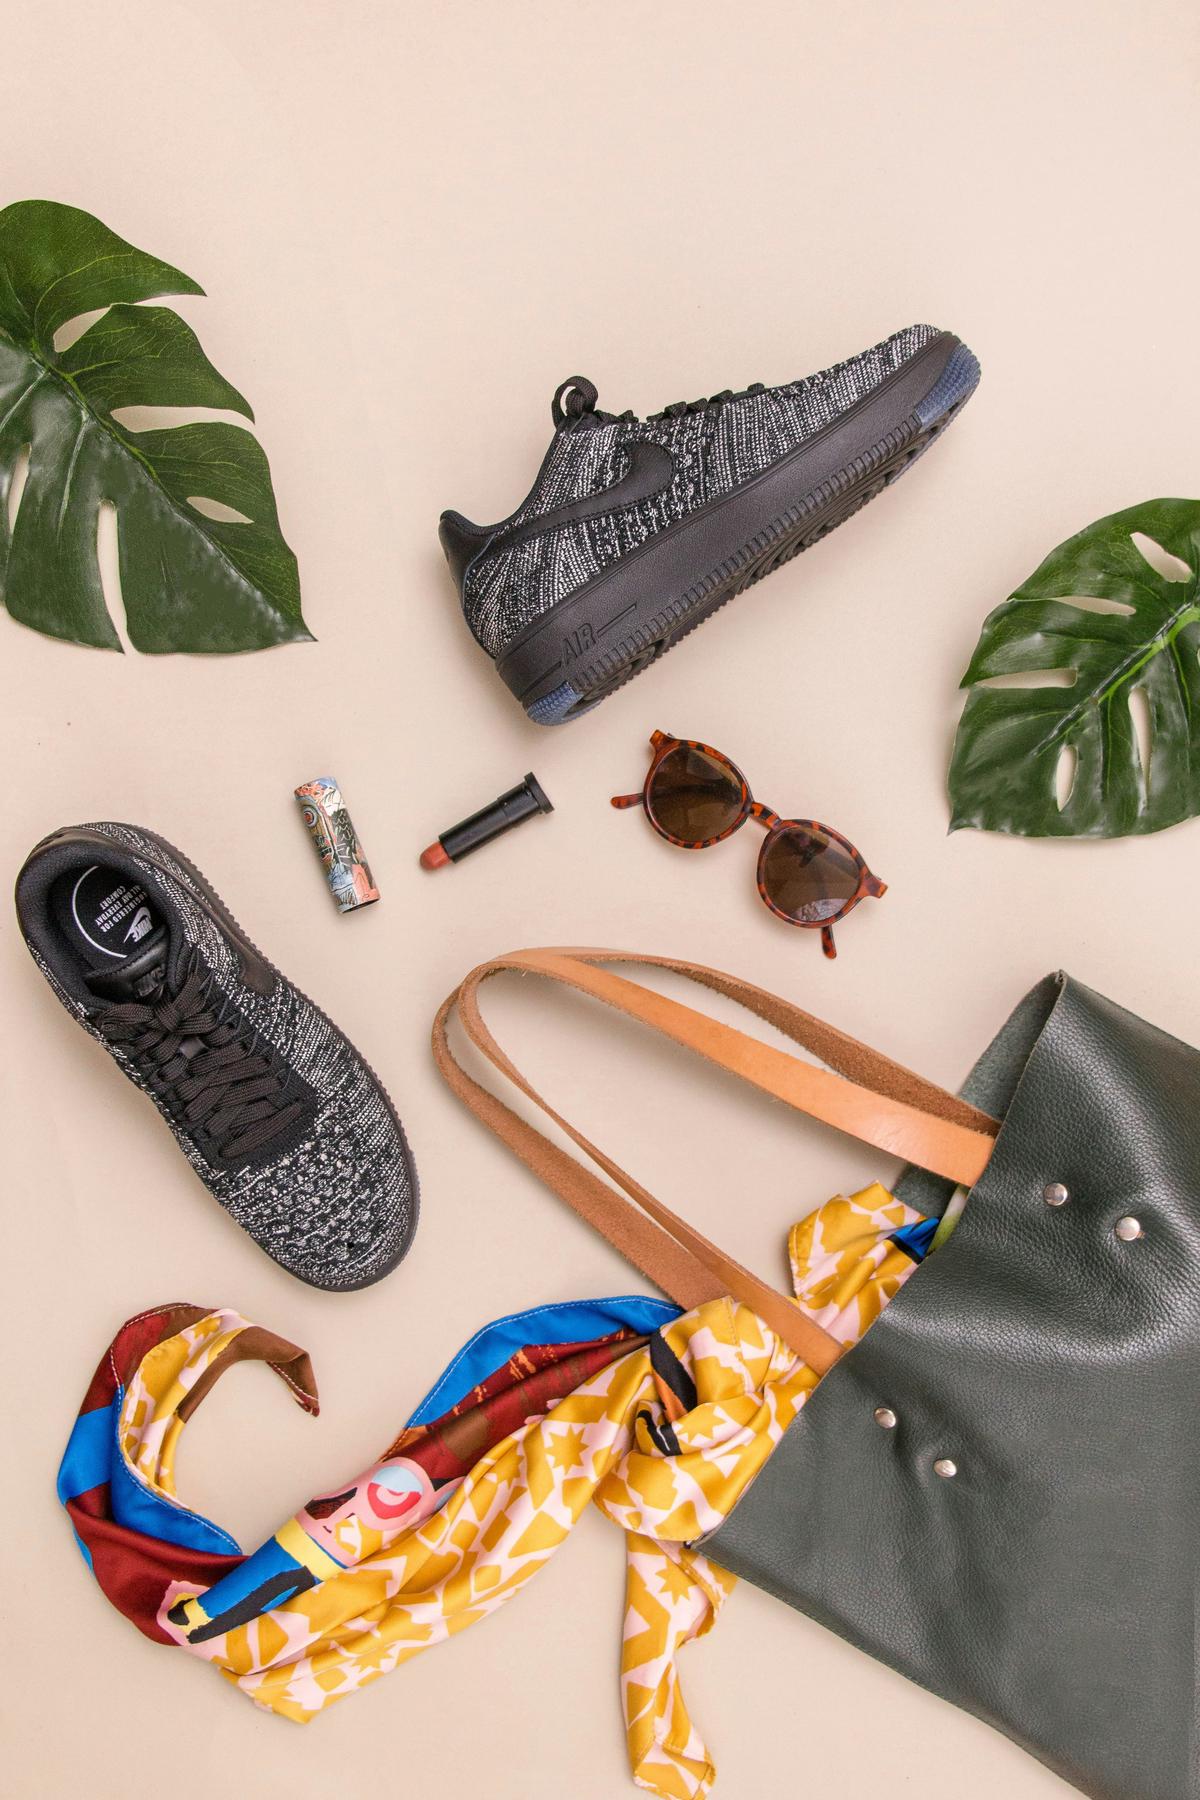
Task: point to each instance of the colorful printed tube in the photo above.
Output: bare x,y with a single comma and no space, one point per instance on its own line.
332,831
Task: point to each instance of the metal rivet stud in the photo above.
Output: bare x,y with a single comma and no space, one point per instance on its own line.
945,1468
1055,1193
886,1417
1128,1229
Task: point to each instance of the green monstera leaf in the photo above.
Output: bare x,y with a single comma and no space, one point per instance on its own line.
1142,649
203,563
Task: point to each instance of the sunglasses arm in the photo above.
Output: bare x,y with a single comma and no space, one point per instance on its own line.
623,800
827,943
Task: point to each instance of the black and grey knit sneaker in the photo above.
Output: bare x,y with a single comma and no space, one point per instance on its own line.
275,1110
636,530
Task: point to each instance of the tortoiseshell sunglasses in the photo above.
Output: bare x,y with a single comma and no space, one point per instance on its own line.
807,874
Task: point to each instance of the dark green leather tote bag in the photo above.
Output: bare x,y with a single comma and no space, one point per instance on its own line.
997,1491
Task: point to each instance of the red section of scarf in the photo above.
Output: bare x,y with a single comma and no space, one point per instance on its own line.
133,1570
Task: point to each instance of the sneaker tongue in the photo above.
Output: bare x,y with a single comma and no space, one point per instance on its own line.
139,977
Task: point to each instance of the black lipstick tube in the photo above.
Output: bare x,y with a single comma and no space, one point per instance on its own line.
512,808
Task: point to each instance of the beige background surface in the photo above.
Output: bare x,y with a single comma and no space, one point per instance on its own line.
412,223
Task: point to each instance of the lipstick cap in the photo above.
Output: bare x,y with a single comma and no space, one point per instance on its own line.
332,831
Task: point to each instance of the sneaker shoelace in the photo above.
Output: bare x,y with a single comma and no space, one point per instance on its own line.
575,403
215,1076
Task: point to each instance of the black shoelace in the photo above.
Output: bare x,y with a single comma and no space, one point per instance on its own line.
575,401
214,1077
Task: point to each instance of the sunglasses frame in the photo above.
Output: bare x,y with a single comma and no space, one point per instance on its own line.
869,885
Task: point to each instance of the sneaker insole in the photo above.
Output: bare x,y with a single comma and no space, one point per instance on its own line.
104,916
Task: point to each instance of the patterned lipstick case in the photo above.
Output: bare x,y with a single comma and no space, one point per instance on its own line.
332,831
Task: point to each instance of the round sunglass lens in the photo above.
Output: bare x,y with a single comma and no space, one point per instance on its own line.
694,796
808,875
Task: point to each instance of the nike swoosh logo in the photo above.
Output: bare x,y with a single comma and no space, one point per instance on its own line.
140,925
649,470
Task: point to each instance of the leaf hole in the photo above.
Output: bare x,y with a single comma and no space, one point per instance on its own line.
1171,568
1031,678
1065,771
73,330
1095,603
215,509
108,556
164,418
20,475
1139,712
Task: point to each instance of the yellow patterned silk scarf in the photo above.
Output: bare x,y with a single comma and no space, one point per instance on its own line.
664,1440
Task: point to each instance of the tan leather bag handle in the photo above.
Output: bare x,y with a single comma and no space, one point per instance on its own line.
869,1097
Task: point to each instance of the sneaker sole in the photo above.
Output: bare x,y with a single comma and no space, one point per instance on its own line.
224,918
626,618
